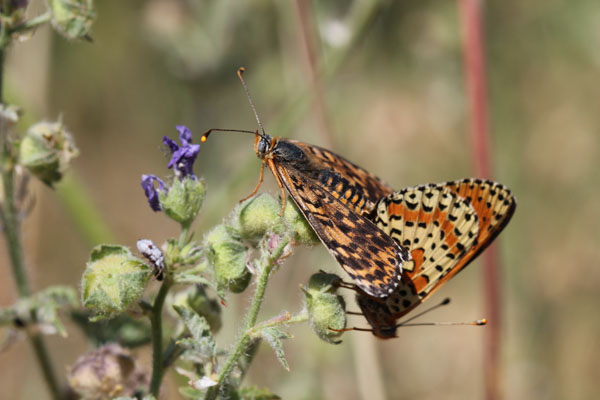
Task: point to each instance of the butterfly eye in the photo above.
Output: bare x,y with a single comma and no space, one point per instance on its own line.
263,146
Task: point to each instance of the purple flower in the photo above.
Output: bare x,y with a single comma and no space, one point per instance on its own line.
151,191
182,158
14,5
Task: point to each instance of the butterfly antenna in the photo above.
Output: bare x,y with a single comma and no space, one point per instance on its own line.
442,303
477,322
205,134
446,301
240,72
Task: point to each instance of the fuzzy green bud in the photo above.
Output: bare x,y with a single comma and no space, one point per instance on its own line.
73,18
183,200
257,216
106,373
47,150
197,299
113,280
301,230
227,255
326,309
323,282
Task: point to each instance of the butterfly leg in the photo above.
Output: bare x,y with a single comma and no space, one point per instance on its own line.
350,329
260,180
279,183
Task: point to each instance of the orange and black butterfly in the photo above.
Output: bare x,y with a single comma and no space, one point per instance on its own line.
444,226
335,196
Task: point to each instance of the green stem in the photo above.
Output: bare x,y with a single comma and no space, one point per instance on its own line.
41,352
31,23
10,222
244,340
157,340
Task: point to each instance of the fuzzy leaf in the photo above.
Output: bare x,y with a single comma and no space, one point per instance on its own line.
201,347
192,393
123,329
255,393
186,277
196,324
41,308
273,336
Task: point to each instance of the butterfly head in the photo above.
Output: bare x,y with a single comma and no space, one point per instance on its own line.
263,145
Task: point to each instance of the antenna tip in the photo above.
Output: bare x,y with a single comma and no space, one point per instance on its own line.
445,301
205,135
241,70
481,321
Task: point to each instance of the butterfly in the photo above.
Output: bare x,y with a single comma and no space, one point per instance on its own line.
445,227
335,196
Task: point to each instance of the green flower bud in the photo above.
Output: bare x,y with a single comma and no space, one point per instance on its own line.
113,279
323,282
257,216
197,299
106,373
183,200
326,310
47,150
227,255
177,256
301,230
10,114
73,18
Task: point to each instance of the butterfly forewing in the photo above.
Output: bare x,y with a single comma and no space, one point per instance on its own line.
445,227
367,188
332,206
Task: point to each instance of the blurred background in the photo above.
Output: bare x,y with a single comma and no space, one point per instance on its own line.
381,83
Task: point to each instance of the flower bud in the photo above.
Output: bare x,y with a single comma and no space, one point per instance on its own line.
326,310
257,216
113,279
46,151
323,282
106,373
301,230
183,199
196,298
227,255
73,18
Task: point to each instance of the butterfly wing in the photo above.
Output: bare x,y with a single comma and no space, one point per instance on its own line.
445,227
371,257
371,188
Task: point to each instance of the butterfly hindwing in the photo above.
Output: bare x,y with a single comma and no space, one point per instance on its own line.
371,257
445,227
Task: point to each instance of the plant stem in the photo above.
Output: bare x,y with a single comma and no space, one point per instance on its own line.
157,340
244,340
41,352
32,23
10,223
475,79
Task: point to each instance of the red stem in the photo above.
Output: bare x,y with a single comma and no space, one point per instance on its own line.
475,81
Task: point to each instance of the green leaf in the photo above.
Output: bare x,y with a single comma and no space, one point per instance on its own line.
196,324
123,329
192,393
187,277
201,347
42,309
273,336
255,393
